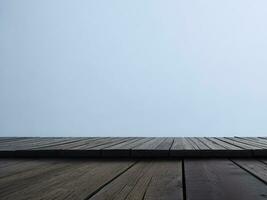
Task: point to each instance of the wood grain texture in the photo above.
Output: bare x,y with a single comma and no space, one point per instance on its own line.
148,180
134,147
255,167
58,179
220,180
149,149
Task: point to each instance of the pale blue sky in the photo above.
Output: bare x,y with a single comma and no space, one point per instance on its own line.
133,68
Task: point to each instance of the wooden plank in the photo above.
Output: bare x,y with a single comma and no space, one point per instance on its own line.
257,139
198,144
204,147
220,180
93,148
60,143
211,144
148,149
255,142
152,144
250,143
256,151
192,143
34,143
131,144
4,140
207,148
48,142
134,147
110,144
123,149
181,144
18,144
166,144
72,179
104,142
214,150
234,151
56,142
224,144
17,140
182,148
166,182
18,181
238,144
263,160
9,167
69,144
255,167
148,180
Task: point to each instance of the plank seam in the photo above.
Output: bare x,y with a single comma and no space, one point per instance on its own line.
183,181
263,161
121,142
144,195
171,144
204,143
190,142
108,182
246,142
58,144
253,141
248,171
217,143
131,141
231,143
252,145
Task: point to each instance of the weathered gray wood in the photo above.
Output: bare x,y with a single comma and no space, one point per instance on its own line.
152,144
211,144
134,147
93,148
19,144
148,180
66,180
166,144
198,144
220,180
4,140
181,144
255,167
123,149
18,166
234,151
256,139
224,144
102,142
70,144
181,148
166,182
239,144
115,142
131,144
148,149
36,143
60,143
256,151
250,143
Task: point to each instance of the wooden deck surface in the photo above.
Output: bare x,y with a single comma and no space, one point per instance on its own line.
133,168
132,147
133,179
